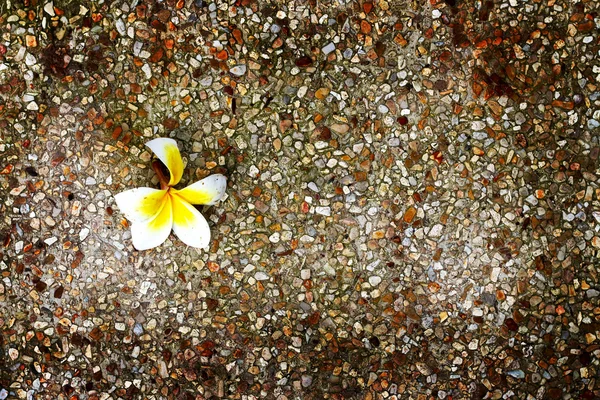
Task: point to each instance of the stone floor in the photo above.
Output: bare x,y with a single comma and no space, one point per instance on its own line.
412,211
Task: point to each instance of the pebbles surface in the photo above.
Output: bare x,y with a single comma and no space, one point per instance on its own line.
413,202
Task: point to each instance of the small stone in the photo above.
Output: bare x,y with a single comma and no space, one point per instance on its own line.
17,191
49,9
365,27
495,274
83,234
304,62
478,125
374,280
436,230
261,276
322,93
30,41
516,374
157,55
323,210
238,70
409,214
170,123
328,48
590,338
423,368
340,128
13,353
306,380
162,369
30,60
138,329
120,25
477,151
50,241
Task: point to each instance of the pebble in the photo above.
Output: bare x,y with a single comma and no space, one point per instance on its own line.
238,70
261,276
13,354
330,47
49,9
340,128
83,234
518,374
306,380
374,280
436,230
323,210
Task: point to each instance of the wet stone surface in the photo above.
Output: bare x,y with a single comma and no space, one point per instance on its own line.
412,211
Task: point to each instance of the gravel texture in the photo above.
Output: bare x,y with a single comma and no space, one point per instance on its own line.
412,211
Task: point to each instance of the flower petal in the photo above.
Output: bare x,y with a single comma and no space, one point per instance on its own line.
189,224
207,191
167,151
140,204
153,232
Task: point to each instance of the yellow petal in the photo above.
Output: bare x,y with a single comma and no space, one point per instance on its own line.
188,224
153,232
140,204
206,191
167,151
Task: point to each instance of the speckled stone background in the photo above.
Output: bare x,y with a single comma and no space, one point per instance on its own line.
412,208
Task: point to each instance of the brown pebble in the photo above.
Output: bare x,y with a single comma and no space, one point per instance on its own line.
170,123
322,93
365,27
304,61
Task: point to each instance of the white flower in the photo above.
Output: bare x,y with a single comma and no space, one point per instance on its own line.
153,212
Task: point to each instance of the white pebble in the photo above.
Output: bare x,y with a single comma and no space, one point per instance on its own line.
30,59
323,211
477,125
51,240
328,49
49,9
495,274
120,25
261,276
374,280
238,70
436,231
83,234
13,353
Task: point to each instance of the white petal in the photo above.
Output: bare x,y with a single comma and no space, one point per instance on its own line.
153,232
167,151
207,191
189,224
140,204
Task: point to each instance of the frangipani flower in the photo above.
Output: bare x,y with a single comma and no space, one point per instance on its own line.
153,212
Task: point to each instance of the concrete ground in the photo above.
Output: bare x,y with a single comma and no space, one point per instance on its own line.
412,209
